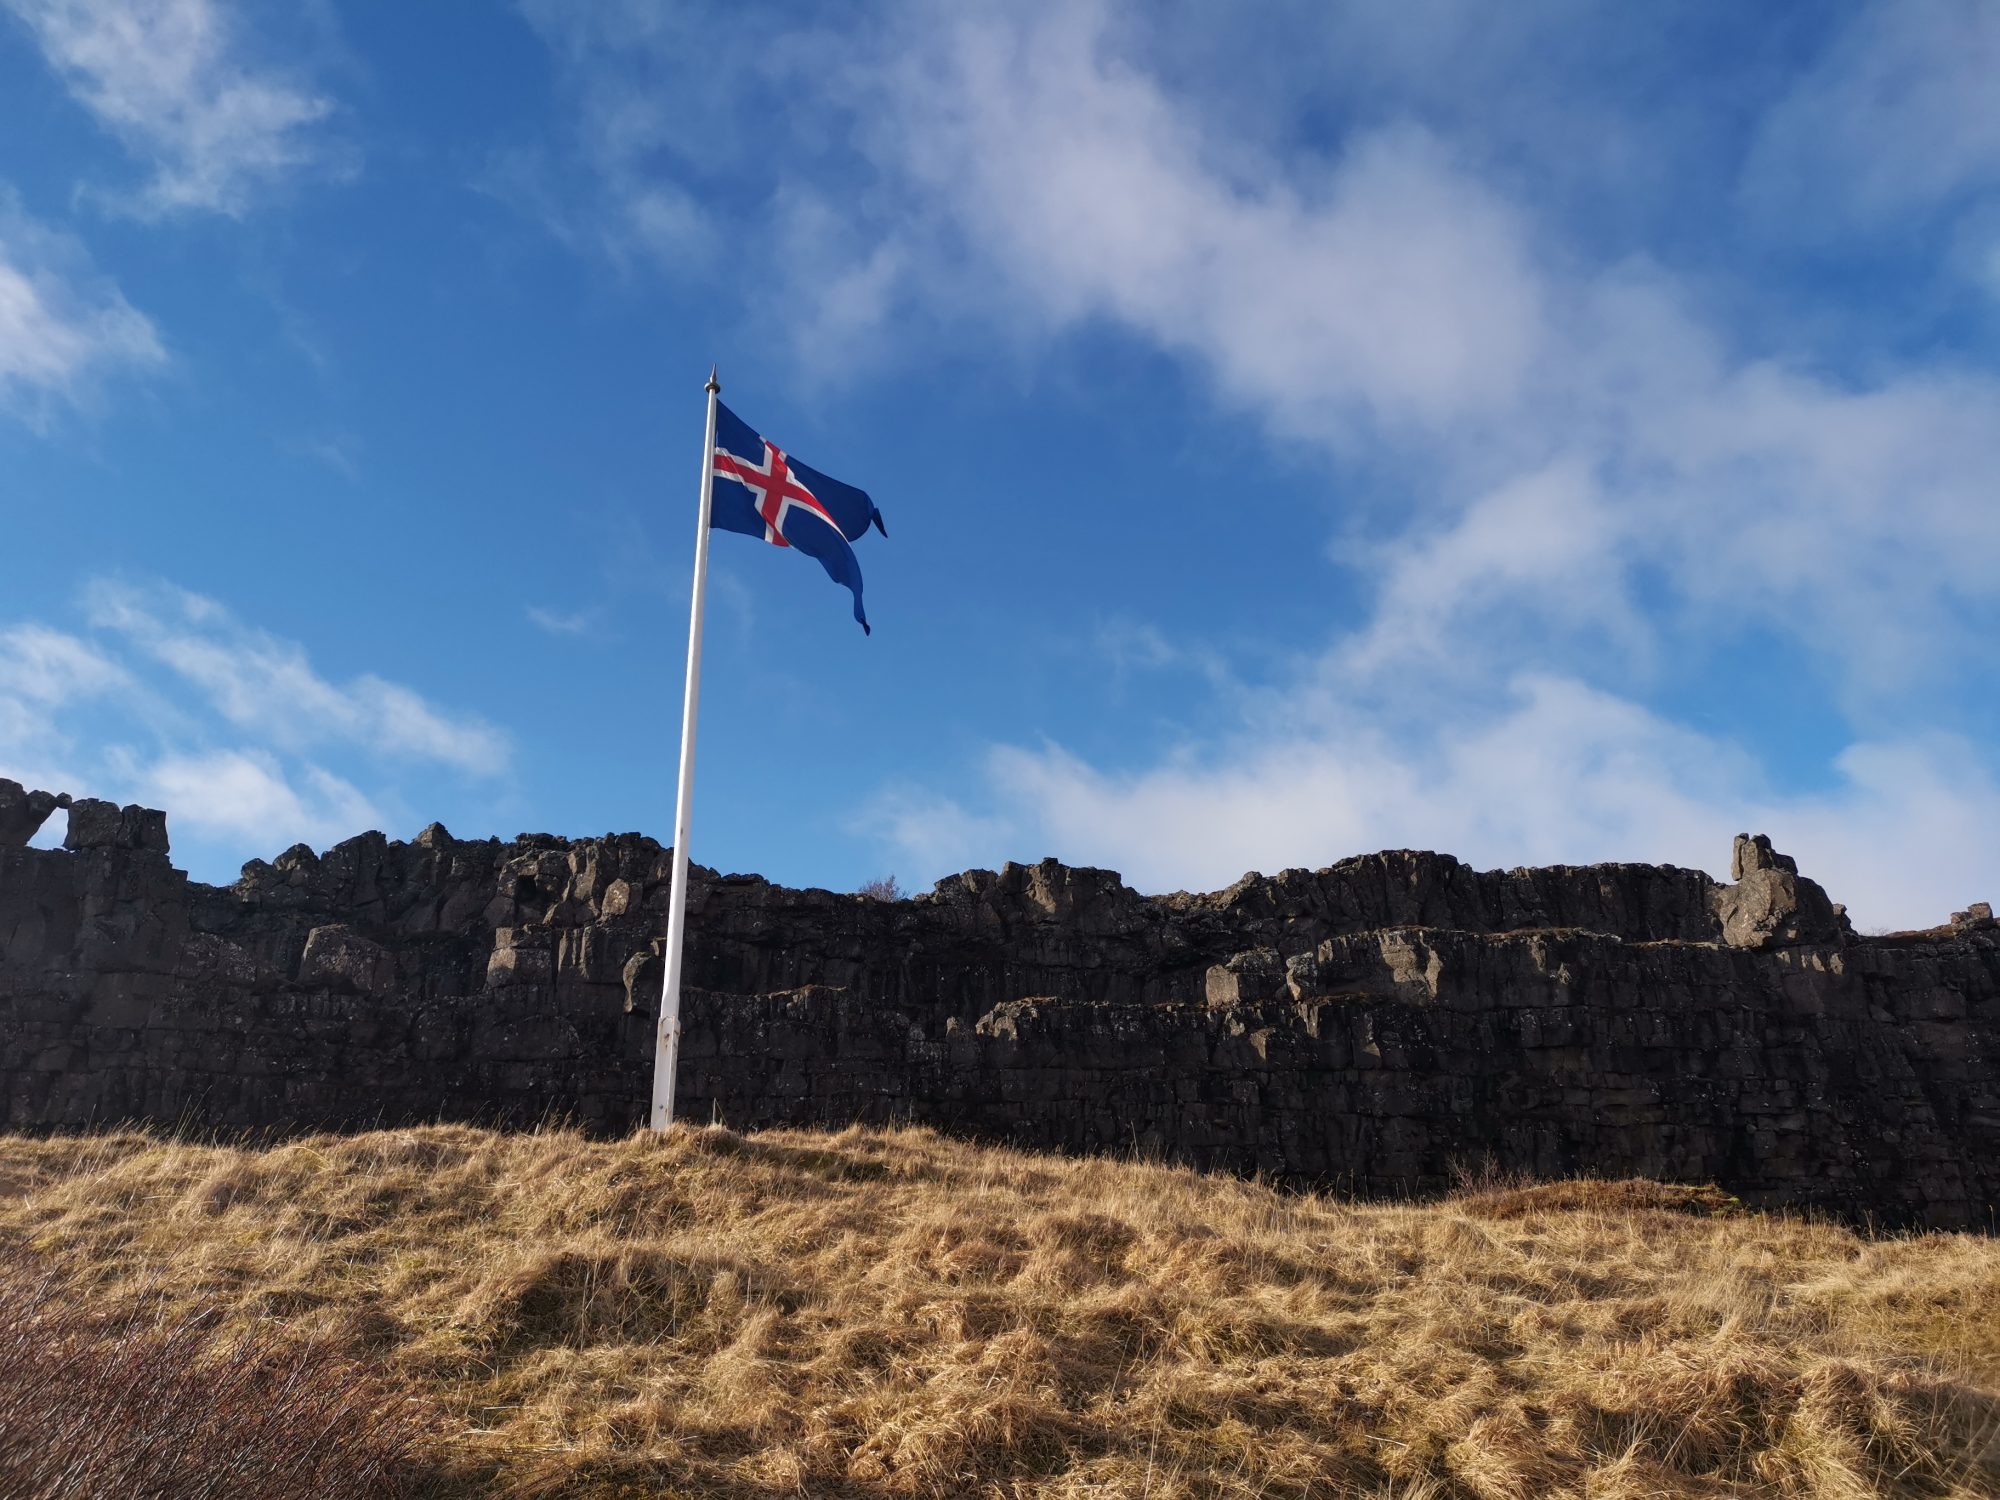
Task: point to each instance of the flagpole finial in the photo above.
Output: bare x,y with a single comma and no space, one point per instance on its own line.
713,383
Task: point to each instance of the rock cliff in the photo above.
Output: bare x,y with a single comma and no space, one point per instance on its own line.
1381,1024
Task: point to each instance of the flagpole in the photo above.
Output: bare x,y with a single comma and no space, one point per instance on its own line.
667,1046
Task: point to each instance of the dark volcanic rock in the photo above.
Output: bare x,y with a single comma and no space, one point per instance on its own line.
22,812
1379,1024
106,825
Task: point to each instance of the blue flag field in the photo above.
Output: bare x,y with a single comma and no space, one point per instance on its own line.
760,490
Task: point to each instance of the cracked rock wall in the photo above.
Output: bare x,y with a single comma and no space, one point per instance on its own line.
1380,1025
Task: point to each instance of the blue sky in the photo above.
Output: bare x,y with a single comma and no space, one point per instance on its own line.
1552,432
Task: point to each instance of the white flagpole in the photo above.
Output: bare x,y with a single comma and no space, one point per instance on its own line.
666,1054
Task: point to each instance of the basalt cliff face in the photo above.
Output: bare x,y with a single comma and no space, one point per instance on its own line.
1380,1025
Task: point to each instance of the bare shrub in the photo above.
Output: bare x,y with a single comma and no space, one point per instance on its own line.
91,1408
883,889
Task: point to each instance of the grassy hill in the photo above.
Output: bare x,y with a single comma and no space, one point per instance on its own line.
882,1313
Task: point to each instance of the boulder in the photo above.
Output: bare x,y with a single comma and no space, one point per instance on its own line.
521,955
1772,905
95,824
1753,852
1247,978
339,958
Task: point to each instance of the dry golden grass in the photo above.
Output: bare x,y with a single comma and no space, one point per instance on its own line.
93,1407
883,1313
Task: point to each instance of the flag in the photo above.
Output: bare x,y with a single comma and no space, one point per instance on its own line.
760,490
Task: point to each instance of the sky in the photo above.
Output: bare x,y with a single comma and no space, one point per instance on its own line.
1550,433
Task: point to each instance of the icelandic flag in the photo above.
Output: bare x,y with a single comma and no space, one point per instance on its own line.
760,490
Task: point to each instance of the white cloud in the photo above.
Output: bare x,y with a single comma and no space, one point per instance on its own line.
261,683
1908,836
48,667
1128,646
1853,519
246,795
43,670
646,145
1541,552
937,834
1389,279
1016,151
668,223
1589,473
1562,430
857,281
168,78
1560,774
1858,519
1900,116
170,701
1558,429
62,326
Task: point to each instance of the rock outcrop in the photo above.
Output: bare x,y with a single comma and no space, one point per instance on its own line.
22,812
1771,905
1379,1024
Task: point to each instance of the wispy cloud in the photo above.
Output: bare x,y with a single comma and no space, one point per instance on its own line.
1562,429
1897,119
267,685
42,671
644,204
170,79
1555,429
62,325
336,454
167,699
50,667
1592,466
561,623
1588,472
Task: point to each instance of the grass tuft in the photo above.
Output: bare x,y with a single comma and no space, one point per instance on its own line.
891,1313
